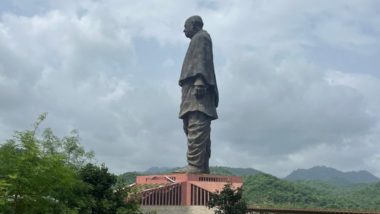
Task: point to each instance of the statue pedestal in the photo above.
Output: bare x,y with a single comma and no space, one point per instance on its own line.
182,191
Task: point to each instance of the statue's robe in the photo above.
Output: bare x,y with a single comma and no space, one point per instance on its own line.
197,113
199,62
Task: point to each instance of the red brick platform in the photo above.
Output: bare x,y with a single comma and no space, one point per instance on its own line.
183,189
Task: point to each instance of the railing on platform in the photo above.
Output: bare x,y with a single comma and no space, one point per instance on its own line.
199,196
261,210
167,195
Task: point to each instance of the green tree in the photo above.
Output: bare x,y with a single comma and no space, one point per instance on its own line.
103,198
38,173
42,173
228,201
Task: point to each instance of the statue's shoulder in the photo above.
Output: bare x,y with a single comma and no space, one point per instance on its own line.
202,34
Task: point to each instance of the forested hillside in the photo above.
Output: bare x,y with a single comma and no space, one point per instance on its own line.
267,190
333,176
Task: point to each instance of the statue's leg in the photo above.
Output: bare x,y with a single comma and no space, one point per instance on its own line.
198,144
185,124
208,150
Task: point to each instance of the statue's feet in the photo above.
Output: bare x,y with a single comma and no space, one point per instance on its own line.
192,170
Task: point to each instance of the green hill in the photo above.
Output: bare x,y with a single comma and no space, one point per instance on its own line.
233,171
128,178
267,190
333,176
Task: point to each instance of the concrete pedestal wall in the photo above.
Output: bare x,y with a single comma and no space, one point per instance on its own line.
183,189
176,210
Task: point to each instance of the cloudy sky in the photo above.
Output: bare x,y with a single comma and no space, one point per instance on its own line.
299,81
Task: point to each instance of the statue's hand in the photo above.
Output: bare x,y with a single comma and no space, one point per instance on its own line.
199,87
200,91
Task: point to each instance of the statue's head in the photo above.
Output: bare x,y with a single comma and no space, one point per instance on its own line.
192,25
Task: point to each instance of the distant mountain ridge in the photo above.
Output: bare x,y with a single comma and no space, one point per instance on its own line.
333,176
156,169
318,173
237,171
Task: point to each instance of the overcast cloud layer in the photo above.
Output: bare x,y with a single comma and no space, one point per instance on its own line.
299,80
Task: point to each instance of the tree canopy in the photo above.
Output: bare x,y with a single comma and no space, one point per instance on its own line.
228,201
42,173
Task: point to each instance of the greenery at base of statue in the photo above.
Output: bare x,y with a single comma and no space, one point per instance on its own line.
46,174
228,201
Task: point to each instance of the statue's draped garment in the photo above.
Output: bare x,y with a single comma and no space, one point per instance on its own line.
197,113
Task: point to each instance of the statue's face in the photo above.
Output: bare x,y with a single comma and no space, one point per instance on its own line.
189,30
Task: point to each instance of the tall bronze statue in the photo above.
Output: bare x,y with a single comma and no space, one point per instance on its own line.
199,96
